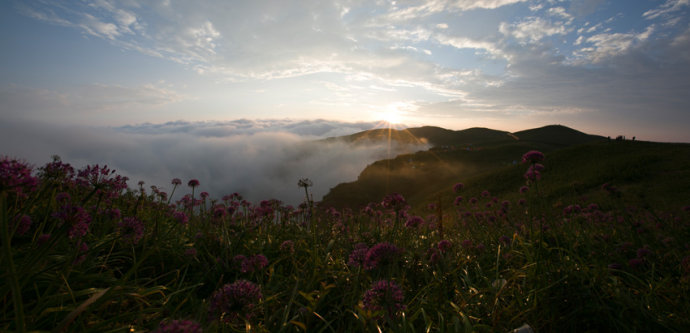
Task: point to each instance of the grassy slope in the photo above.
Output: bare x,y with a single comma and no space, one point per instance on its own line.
646,173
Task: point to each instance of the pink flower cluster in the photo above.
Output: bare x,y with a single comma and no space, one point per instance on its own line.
237,300
384,296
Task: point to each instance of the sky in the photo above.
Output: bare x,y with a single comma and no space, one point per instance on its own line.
104,81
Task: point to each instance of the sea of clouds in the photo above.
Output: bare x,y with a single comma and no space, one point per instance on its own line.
260,159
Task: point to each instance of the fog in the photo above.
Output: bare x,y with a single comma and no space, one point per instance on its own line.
258,159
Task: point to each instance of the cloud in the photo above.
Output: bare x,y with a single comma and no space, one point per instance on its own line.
667,8
258,159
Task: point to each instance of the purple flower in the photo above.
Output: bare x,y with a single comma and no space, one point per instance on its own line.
176,181
458,187
532,156
251,264
235,301
381,254
384,296
414,222
395,201
204,195
181,217
77,218
193,183
524,189
358,254
485,194
444,245
131,230
179,326
16,176
457,200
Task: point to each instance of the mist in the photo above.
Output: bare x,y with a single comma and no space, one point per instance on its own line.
257,159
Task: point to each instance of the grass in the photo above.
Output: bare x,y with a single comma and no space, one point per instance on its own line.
564,256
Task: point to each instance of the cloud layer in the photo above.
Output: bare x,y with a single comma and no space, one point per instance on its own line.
258,159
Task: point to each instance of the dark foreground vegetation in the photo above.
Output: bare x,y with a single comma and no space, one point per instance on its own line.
599,245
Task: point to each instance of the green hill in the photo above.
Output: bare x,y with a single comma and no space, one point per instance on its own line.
577,165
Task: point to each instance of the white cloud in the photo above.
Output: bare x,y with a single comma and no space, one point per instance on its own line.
668,7
605,46
533,29
259,159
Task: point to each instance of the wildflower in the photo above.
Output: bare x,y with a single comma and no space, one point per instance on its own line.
77,218
16,177
57,170
288,246
395,201
414,222
179,326
534,172
204,195
181,217
176,181
193,183
532,156
444,245
131,229
457,200
473,200
485,194
358,254
251,264
381,254
384,296
237,300
524,189
458,187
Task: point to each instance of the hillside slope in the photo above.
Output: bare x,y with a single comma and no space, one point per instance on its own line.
576,163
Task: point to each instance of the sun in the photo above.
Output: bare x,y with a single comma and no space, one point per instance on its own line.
391,117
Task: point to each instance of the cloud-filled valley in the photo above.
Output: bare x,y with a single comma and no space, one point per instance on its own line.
260,159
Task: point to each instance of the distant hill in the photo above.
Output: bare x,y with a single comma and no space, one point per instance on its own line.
476,136
556,135
454,156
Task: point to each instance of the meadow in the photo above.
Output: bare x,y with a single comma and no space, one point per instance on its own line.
529,246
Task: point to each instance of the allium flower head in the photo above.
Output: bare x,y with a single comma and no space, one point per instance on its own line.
181,217
414,222
384,296
358,254
176,181
131,229
395,201
381,254
193,183
237,300
16,177
444,245
532,156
